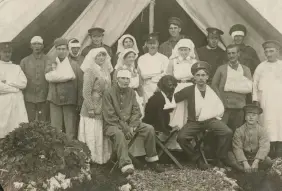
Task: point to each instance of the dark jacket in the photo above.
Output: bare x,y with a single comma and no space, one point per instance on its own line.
155,115
188,94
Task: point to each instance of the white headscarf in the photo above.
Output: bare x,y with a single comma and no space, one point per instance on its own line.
89,61
187,43
120,61
120,47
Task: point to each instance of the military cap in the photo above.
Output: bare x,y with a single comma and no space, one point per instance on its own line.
175,21
214,31
152,37
253,108
200,65
6,45
60,42
96,31
271,44
238,29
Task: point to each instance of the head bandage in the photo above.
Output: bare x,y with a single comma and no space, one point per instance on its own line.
124,74
36,39
237,33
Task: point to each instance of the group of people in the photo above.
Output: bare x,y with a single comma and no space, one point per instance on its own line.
105,100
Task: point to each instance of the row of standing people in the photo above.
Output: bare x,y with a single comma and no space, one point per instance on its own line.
60,105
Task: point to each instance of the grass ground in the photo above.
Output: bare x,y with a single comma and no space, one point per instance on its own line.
187,179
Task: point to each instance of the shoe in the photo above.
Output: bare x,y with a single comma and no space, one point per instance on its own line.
129,171
220,164
202,165
156,167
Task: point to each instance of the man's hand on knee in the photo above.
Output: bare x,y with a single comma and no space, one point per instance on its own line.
129,133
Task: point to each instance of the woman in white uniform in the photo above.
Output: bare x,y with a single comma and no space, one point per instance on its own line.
127,41
181,61
152,65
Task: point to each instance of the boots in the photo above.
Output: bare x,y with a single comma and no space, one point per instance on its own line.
202,165
156,167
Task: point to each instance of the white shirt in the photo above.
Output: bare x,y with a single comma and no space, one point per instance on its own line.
152,65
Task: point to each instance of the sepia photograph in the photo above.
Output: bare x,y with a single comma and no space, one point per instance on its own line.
140,95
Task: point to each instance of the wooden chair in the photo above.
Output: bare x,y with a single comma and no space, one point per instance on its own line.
199,139
164,149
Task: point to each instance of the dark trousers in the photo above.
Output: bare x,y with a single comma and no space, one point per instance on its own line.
193,128
233,118
37,111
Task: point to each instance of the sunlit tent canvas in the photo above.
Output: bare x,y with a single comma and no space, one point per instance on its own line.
21,20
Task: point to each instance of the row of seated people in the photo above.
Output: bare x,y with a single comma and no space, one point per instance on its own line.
205,111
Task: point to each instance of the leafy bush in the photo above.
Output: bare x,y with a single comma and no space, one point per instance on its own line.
36,156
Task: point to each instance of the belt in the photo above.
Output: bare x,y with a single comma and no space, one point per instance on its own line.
184,81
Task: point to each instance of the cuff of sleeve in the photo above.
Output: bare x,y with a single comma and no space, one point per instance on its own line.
259,157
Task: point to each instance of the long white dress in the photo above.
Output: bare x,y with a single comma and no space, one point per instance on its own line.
12,107
182,72
152,68
267,90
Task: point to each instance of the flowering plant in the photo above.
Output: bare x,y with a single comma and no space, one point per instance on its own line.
36,156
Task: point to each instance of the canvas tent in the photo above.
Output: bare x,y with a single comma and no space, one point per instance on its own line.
20,20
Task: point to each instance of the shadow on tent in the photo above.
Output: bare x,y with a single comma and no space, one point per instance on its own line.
60,15
164,9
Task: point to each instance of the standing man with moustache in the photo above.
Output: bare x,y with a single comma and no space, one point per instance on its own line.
233,81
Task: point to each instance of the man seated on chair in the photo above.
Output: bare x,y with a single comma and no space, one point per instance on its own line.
251,144
122,119
159,106
205,110
158,111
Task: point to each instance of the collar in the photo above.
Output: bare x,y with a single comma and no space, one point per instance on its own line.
229,64
121,90
153,54
210,48
171,39
37,56
96,46
251,126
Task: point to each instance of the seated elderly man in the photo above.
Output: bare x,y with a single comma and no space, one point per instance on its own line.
122,119
205,110
251,144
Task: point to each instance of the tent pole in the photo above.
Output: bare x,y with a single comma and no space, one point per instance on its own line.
151,16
